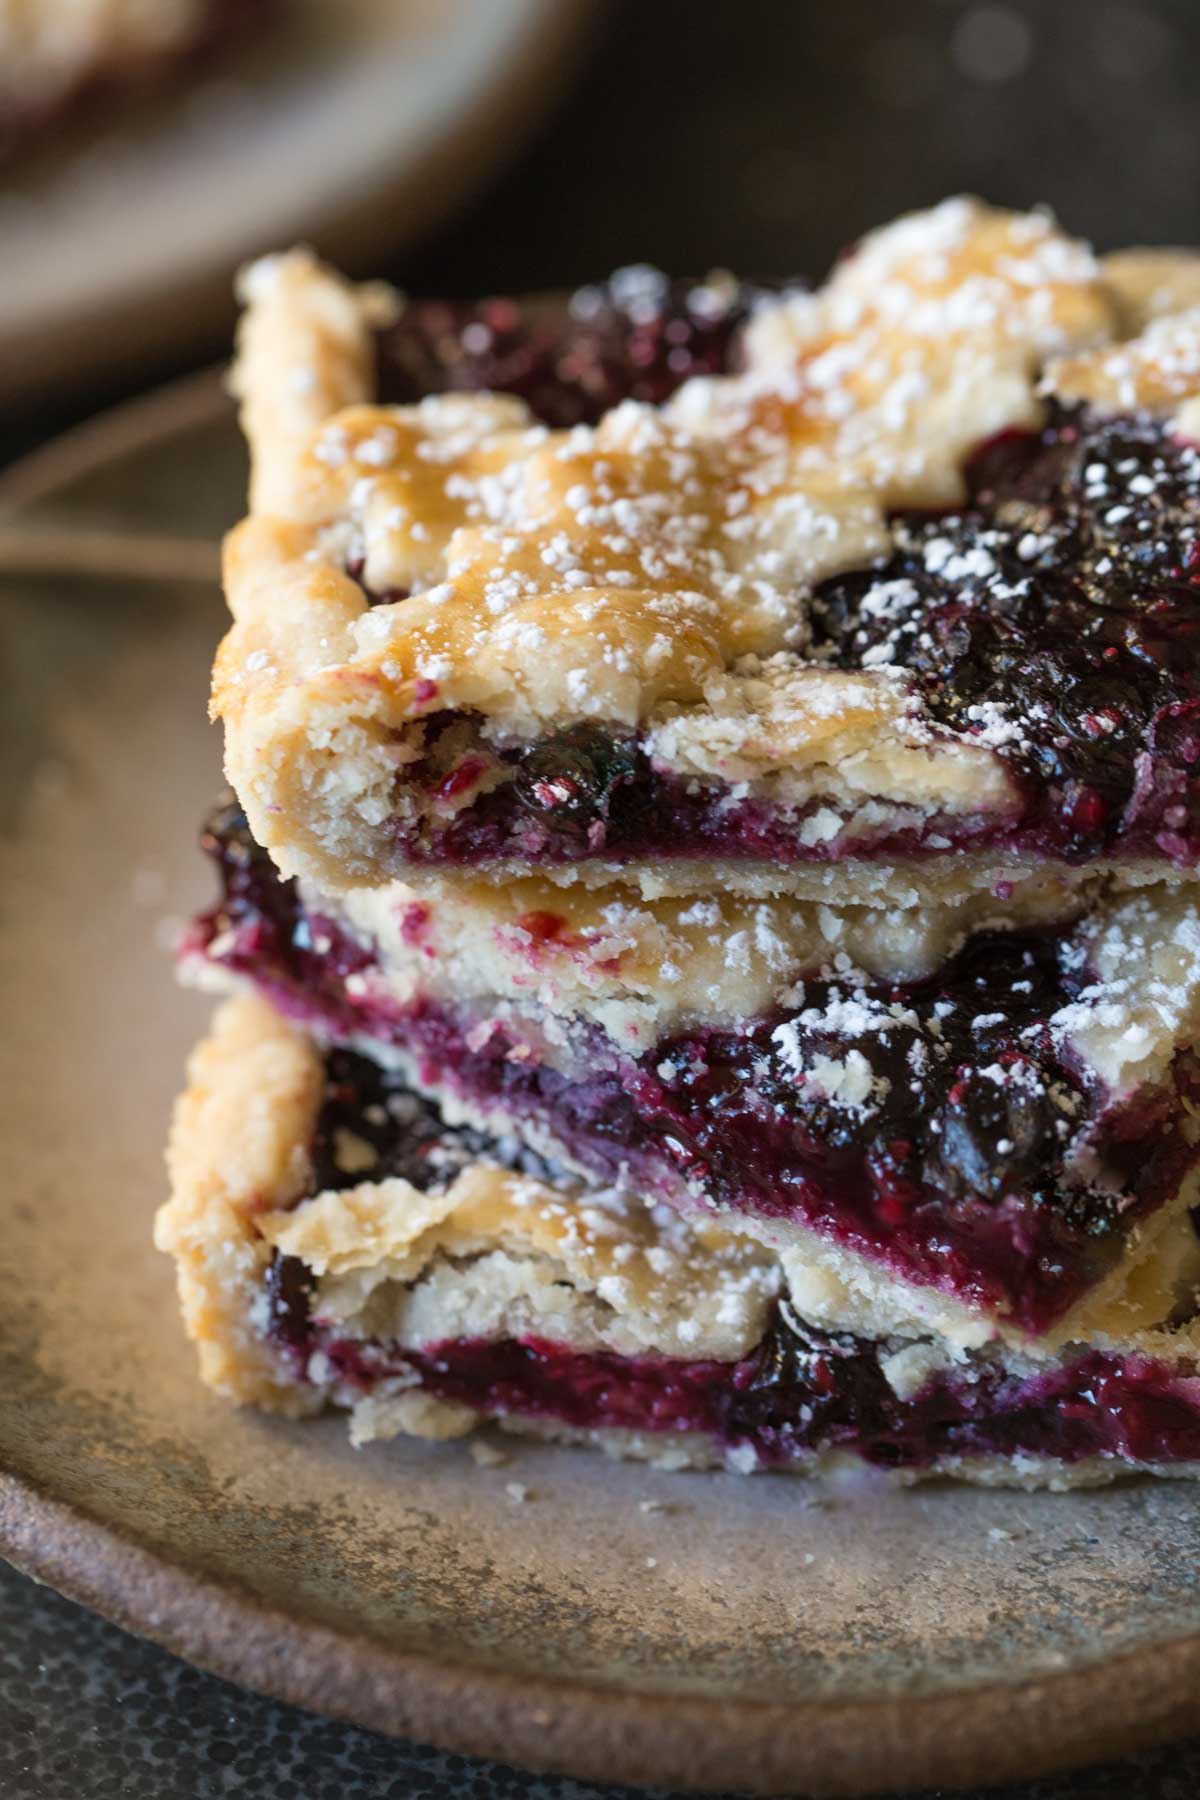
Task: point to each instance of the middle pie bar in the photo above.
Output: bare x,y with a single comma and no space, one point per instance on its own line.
977,1120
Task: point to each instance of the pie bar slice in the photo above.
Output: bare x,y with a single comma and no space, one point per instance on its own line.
894,595
58,55
336,1242
978,1120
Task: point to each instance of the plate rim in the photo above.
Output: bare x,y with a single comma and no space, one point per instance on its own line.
990,1732
155,415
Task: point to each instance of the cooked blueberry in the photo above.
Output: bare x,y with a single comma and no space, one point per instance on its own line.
372,1126
571,782
289,1291
992,1134
253,900
226,836
795,1353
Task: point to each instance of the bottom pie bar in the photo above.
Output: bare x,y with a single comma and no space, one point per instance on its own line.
337,1243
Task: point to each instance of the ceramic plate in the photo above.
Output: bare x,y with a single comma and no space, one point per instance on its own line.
747,1633
358,122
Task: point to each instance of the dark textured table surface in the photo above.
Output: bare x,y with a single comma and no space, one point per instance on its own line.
90,1713
759,135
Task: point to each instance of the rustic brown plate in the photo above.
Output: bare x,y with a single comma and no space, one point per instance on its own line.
752,1634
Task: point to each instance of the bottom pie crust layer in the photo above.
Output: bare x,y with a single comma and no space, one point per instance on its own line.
337,1243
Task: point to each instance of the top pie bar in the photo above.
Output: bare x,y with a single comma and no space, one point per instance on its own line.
891,589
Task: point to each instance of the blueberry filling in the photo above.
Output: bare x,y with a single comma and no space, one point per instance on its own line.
586,792
397,1132
801,1390
1055,620
1058,616
392,1132
638,336
928,1126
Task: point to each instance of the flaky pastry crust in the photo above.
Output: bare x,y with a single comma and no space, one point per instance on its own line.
493,1252
238,1147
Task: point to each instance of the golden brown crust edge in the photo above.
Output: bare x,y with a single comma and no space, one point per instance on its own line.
304,351
236,1147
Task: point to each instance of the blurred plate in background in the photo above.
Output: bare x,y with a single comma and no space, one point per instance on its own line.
354,125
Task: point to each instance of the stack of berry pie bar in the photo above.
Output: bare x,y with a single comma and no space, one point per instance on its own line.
710,914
